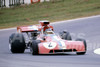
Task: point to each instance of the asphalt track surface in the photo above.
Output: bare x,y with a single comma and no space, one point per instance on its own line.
88,29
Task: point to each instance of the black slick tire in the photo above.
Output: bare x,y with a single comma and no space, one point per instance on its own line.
17,43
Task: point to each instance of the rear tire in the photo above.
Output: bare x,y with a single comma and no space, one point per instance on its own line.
34,47
17,43
84,41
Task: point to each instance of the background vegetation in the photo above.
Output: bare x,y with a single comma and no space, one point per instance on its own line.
53,11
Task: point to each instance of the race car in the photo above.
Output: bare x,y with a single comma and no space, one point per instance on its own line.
41,39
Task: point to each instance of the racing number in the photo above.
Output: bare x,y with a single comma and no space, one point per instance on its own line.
50,45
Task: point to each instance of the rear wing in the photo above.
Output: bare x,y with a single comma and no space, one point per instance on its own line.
27,28
31,28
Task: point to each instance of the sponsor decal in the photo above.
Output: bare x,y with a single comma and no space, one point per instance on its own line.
60,43
35,1
33,28
63,45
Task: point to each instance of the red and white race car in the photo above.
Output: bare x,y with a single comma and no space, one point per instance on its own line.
41,39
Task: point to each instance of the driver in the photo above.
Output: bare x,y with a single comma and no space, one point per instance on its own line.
47,30
45,26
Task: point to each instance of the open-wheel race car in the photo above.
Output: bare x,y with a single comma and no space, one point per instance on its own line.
41,39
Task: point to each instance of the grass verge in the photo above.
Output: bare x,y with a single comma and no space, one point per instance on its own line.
53,11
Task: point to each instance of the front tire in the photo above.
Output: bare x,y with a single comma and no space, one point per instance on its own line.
17,43
34,47
85,45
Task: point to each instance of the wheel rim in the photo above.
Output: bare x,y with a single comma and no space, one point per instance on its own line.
31,50
9,46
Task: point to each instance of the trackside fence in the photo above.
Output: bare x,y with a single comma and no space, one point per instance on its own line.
11,3
2,3
15,2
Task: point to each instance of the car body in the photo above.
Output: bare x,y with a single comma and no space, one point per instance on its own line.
43,40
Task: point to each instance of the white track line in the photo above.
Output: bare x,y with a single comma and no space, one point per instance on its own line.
76,19
97,51
59,21
8,29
